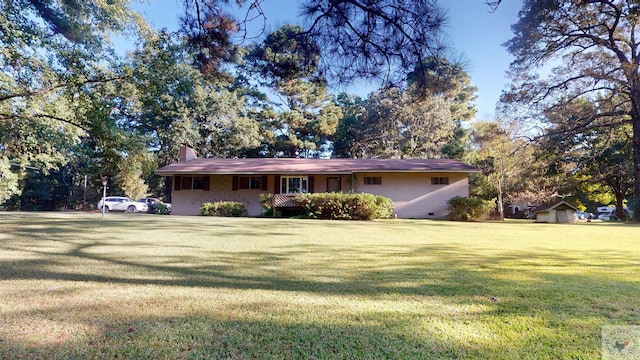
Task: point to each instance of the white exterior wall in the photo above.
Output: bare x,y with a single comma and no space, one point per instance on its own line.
553,216
412,193
544,217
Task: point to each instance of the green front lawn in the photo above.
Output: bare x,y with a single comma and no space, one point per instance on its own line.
143,286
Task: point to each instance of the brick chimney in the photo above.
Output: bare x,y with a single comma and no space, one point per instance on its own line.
186,153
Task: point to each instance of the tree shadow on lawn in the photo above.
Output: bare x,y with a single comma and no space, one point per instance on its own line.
435,270
370,269
125,229
48,224
212,336
577,296
577,291
222,333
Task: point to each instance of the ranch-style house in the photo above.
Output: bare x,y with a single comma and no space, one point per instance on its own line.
419,188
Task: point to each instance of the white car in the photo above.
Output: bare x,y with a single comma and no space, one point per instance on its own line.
121,203
605,216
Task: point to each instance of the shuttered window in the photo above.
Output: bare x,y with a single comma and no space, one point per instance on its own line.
249,182
192,182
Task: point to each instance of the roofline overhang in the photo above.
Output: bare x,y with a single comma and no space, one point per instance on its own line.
189,172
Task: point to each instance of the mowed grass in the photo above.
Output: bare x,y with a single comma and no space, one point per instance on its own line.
141,286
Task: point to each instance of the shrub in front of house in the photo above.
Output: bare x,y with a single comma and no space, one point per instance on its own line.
266,201
223,208
161,209
339,206
468,209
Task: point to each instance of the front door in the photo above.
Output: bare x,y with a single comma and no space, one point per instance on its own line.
334,184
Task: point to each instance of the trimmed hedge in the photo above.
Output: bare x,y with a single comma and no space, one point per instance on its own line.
339,206
469,209
223,208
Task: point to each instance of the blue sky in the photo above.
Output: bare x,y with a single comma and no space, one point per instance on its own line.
474,33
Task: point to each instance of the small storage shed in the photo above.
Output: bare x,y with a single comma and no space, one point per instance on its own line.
560,212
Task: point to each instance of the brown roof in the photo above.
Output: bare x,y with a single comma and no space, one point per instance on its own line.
312,166
558,205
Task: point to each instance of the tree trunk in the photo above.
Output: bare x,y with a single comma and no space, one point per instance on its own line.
500,200
500,205
619,191
620,215
635,122
636,169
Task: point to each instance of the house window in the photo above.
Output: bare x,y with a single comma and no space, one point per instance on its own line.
198,182
256,182
186,183
440,180
373,180
250,182
294,184
191,182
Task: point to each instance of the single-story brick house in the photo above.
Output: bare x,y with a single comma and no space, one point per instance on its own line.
419,188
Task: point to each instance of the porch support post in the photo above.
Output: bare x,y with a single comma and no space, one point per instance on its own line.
353,180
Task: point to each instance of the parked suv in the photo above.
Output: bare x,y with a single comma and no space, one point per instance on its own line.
121,203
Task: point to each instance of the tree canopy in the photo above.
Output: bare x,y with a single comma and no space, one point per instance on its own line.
594,158
71,109
360,39
57,70
593,50
419,120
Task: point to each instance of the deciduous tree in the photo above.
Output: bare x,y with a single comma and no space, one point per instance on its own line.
417,121
504,158
596,155
8,180
179,105
593,50
56,59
